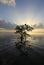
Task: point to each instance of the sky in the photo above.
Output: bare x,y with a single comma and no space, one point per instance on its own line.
22,11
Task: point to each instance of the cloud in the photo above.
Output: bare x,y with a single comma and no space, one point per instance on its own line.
8,2
40,25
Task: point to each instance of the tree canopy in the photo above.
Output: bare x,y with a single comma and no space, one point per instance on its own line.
22,30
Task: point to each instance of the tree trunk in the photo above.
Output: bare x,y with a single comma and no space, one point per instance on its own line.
25,37
21,38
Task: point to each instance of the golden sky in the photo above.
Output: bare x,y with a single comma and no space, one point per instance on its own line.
38,31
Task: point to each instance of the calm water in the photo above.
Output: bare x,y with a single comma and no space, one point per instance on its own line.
37,43
7,41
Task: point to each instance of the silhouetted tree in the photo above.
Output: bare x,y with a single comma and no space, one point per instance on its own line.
22,30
